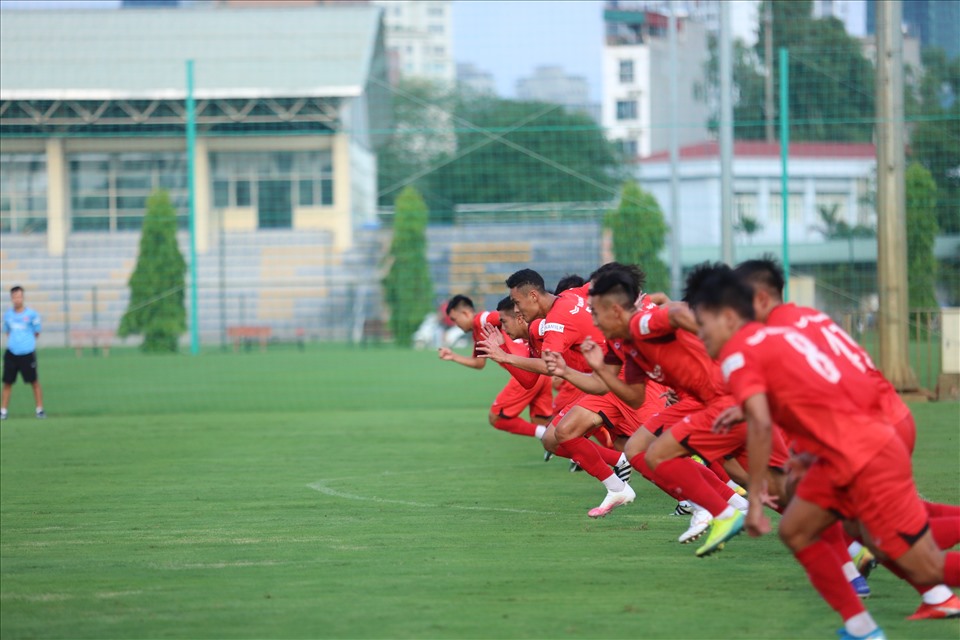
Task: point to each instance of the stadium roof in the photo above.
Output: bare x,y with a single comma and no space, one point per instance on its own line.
128,54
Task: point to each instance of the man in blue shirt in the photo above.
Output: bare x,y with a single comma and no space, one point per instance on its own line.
22,326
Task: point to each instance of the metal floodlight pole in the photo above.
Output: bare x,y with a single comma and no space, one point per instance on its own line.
768,80
726,135
191,206
891,200
784,174
676,272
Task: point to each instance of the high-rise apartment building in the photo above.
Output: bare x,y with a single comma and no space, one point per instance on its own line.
419,38
636,110
935,22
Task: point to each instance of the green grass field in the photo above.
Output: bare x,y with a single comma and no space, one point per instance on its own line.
360,493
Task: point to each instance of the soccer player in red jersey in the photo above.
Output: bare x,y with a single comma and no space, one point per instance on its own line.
766,278
862,469
566,324
678,360
514,398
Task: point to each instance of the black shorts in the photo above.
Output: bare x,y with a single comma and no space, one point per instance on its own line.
25,365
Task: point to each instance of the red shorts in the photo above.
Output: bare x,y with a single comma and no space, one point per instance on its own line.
657,420
618,417
882,496
567,394
695,433
514,398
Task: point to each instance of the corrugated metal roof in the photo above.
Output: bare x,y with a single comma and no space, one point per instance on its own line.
320,51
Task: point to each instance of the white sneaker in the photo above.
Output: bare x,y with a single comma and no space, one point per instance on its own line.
699,523
613,500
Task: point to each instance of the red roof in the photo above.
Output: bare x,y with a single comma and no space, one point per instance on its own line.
758,149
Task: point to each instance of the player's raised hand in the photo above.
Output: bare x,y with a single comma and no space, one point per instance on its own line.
445,353
592,353
727,418
490,348
556,365
658,298
490,332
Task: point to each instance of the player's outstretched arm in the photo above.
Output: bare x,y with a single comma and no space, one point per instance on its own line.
681,317
445,353
759,428
557,366
491,350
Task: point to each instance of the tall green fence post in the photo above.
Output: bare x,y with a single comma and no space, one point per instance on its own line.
191,206
784,149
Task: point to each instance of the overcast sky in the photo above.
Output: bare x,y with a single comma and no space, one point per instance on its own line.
510,38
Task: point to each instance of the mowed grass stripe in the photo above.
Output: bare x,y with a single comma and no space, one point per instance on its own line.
184,509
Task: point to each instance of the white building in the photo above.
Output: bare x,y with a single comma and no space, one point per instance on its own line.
553,84
475,80
419,39
822,174
636,110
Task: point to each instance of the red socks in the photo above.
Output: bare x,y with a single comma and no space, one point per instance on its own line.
835,536
946,531
951,569
587,455
682,478
516,425
939,510
717,483
823,568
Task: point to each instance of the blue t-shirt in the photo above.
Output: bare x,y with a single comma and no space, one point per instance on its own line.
21,329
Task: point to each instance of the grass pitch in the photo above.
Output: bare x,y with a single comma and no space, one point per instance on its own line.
355,493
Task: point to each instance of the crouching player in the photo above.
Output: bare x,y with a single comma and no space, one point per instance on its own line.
515,397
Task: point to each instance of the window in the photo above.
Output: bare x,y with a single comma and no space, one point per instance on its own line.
274,183
109,191
435,28
794,208
627,148
626,109
243,197
23,192
626,72
439,51
435,12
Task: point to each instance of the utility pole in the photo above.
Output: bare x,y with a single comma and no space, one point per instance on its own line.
676,270
726,135
768,80
891,200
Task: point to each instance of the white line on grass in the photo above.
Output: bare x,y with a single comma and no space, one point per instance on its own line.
322,487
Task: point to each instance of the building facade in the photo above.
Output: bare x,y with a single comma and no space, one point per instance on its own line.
419,39
285,103
834,177
636,110
936,23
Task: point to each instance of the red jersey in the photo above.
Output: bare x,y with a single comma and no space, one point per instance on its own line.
676,359
492,317
817,399
631,373
830,338
567,323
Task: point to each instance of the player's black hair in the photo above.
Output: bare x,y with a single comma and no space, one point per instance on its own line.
765,271
639,277
14,289
569,281
698,275
716,287
619,283
526,277
458,300
505,304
